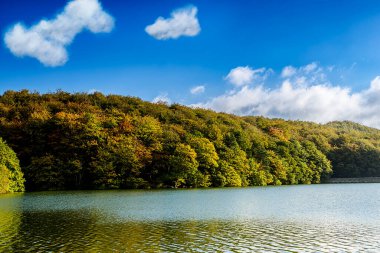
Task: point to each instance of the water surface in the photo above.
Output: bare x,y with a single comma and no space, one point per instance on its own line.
312,218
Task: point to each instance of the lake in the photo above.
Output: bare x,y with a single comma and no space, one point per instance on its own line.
302,218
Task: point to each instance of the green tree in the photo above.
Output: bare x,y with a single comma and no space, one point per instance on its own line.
184,166
11,176
79,140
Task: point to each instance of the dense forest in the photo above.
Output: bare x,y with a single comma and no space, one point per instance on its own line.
93,141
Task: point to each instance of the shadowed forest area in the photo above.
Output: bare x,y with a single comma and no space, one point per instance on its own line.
93,141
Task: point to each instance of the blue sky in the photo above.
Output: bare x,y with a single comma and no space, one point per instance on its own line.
339,38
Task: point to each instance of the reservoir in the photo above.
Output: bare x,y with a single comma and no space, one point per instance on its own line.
300,218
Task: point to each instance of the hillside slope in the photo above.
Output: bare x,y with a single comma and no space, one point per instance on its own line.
74,141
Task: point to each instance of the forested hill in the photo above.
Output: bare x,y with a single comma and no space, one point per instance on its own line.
75,141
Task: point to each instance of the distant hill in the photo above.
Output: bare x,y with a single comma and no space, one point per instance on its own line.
348,126
76,141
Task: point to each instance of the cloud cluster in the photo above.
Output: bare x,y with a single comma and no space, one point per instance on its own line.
47,40
182,22
241,76
309,74
303,94
197,89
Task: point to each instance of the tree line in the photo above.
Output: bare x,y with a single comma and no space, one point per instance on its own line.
93,141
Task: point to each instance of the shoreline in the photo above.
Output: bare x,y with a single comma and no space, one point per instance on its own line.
353,180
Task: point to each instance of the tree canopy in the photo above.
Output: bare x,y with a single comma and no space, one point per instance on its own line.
11,177
93,141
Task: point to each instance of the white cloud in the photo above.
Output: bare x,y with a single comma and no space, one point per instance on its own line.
241,76
182,22
162,98
288,71
47,40
319,102
310,67
92,91
309,74
198,89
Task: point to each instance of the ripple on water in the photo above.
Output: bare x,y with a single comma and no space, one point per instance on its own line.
72,232
313,219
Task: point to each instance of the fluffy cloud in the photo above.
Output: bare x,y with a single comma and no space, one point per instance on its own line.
198,89
288,71
162,98
309,74
319,102
47,40
182,22
241,76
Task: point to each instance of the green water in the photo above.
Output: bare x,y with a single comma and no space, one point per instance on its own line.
312,218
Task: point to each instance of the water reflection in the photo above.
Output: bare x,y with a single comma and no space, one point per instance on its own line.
10,220
81,231
119,222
